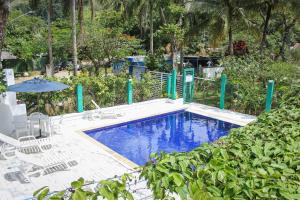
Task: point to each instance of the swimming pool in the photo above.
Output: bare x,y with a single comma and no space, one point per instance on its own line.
172,132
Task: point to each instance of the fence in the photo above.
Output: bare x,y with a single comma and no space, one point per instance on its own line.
159,89
234,96
113,90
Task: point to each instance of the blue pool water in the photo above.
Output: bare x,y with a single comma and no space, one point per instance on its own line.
174,132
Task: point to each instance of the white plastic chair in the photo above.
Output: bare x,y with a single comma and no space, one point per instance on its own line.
39,122
25,145
105,114
56,126
47,163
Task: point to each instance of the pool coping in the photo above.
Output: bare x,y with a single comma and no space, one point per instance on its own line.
212,112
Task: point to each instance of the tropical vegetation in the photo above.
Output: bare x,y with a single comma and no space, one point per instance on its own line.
255,41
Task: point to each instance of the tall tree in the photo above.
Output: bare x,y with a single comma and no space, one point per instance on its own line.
49,67
80,19
4,12
74,43
221,15
92,9
267,7
289,14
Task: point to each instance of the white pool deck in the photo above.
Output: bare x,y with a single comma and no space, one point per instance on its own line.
95,161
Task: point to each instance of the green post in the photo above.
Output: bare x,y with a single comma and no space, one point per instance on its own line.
270,91
173,83
223,90
79,97
129,92
169,80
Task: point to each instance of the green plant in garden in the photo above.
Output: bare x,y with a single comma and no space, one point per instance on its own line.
105,90
157,62
107,189
247,81
145,88
2,84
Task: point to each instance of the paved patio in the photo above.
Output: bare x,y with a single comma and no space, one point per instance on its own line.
95,161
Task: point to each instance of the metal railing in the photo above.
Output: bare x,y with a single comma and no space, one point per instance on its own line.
159,89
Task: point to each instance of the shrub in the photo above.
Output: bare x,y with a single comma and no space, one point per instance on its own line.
295,54
2,84
105,90
248,77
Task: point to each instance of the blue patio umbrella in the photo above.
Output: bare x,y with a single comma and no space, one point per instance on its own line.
37,85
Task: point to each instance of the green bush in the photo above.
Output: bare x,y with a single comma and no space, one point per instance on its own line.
295,54
247,81
105,90
2,84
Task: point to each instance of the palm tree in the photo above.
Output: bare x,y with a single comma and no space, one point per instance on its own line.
49,67
221,15
74,43
143,9
80,19
4,12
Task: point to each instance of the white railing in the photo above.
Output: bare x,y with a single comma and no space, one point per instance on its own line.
160,87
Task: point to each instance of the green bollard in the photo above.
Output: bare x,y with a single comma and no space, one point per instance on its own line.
129,91
269,98
79,98
223,91
169,80
173,83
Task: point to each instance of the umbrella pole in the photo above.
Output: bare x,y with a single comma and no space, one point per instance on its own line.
40,130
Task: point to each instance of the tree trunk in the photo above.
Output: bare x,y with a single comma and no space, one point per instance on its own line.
230,38
162,16
151,27
92,8
265,30
105,68
80,19
174,55
4,12
285,37
283,42
74,37
49,66
181,60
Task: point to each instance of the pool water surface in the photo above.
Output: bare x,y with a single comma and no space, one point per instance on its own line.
173,132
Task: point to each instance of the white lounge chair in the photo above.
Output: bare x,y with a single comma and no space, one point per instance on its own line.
45,163
106,114
25,145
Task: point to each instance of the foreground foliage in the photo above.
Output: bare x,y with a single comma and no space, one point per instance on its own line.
259,161
107,189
